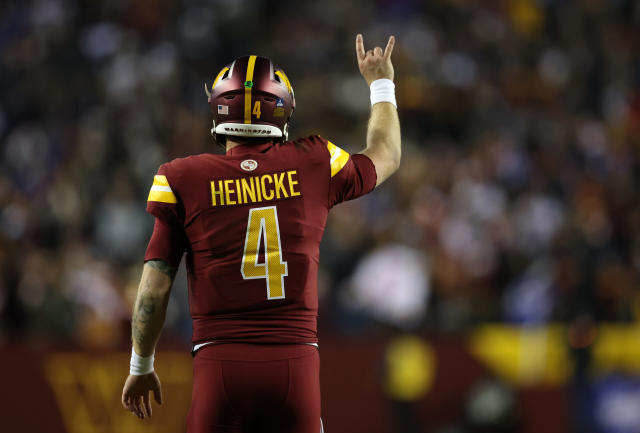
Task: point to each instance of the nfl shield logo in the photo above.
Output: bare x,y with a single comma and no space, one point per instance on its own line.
279,102
249,164
223,109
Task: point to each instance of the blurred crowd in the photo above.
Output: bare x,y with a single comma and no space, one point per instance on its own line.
516,199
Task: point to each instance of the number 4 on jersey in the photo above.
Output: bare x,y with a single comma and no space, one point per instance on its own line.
263,226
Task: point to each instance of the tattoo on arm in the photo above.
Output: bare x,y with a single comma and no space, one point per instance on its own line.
163,267
148,316
143,316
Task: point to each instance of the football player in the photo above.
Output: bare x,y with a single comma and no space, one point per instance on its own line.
250,222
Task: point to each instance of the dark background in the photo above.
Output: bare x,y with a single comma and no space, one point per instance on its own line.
510,236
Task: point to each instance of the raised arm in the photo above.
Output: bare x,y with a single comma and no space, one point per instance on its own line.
383,131
149,312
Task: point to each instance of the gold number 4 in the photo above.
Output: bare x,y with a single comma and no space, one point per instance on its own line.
263,227
256,109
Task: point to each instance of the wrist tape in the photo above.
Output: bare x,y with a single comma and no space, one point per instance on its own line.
383,90
140,365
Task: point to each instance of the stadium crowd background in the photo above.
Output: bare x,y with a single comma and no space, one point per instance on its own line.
516,200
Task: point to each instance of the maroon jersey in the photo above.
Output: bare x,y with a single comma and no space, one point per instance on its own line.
251,222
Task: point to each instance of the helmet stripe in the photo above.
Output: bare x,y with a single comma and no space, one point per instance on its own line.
247,89
213,86
285,79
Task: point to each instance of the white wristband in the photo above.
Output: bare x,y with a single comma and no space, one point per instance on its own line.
140,365
383,90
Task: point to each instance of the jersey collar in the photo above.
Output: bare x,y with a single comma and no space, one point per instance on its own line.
245,149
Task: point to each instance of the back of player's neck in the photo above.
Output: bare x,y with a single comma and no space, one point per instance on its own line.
232,143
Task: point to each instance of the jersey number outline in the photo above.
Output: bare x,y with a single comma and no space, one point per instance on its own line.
263,226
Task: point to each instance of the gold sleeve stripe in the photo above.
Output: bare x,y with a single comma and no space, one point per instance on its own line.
161,191
247,89
162,196
160,180
220,74
285,79
338,159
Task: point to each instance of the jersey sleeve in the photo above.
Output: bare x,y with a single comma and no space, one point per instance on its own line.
351,175
168,240
163,202
167,243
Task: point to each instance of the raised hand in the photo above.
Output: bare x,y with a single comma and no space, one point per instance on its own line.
375,64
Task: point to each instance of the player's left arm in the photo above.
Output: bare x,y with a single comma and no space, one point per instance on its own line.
162,258
149,312
151,306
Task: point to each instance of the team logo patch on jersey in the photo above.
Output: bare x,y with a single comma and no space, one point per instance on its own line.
223,109
248,165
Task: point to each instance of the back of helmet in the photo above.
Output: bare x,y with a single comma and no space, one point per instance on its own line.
251,97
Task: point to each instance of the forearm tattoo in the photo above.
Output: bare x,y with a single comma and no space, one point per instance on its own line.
149,309
163,267
143,315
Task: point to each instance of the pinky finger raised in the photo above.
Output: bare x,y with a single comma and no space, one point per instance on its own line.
389,48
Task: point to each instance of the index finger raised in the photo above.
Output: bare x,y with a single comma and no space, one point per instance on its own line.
360,48
389,49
